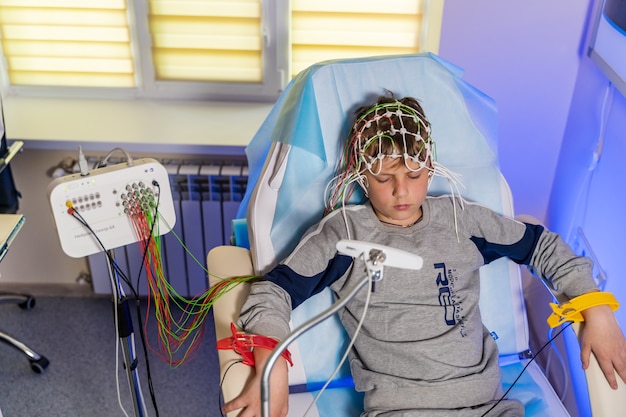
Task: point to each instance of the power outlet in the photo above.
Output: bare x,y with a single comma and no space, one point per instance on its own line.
581,247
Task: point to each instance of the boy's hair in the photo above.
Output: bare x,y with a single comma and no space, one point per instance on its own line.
394,128
388,128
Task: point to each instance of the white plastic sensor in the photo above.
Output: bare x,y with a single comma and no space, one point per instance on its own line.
382,254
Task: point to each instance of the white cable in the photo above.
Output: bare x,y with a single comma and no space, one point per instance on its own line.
115,288
579,206
82,162
344,215
604,114
129,158
348,348
561,360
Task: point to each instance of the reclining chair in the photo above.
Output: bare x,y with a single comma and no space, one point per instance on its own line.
291,159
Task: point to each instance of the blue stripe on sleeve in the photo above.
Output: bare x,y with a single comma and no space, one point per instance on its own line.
300,287
519,252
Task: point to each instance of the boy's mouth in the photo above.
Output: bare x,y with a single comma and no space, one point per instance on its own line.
402,207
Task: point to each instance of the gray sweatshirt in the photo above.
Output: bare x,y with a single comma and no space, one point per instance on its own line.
416,350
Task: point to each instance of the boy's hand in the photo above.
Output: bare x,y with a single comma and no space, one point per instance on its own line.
249,401
603,336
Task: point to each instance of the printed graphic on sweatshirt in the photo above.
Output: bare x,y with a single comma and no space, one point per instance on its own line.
452,308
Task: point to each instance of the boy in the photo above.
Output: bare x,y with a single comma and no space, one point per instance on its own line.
410,358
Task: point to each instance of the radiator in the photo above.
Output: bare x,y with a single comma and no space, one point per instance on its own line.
206,199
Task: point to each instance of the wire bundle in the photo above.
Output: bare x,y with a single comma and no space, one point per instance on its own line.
180,321
389,129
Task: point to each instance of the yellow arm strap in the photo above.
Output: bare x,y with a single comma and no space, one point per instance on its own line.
570,311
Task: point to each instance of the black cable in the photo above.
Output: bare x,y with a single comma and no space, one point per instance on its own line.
112,262
526,366
220,400
150,236
121,273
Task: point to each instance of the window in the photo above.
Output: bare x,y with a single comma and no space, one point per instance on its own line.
330,29
212,40
211,49
71,43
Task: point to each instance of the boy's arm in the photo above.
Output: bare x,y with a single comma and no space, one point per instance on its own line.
572,275
250,399
265,311
603,337
601,334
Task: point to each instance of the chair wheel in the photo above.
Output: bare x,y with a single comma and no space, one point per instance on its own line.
39,365
29,304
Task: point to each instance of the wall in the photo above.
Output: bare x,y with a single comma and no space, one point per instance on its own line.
589,195
35,255
159,126
525,55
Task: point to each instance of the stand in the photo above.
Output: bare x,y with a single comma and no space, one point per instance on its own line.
124,323
377,256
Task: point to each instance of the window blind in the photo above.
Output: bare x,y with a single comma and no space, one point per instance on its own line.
330,29
207,40
67,43
199,48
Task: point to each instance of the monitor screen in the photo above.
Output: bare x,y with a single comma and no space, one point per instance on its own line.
607,47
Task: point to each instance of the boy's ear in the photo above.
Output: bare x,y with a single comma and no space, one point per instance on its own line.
362,181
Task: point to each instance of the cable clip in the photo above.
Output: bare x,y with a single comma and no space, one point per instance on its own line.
243,343
570,310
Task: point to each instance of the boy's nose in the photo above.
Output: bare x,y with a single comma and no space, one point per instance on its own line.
400,189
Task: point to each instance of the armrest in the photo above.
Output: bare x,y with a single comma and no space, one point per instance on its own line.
224,262
603,400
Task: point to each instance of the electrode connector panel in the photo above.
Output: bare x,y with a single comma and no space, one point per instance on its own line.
110,200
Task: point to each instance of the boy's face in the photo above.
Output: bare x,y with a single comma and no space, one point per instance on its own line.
397,193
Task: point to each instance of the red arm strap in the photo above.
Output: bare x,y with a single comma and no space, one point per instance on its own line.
243,343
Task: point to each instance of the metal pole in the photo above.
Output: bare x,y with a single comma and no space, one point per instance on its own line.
125,331
278,350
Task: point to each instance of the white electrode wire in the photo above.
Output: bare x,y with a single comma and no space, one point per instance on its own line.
115,288
455,184
348,348
345,219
